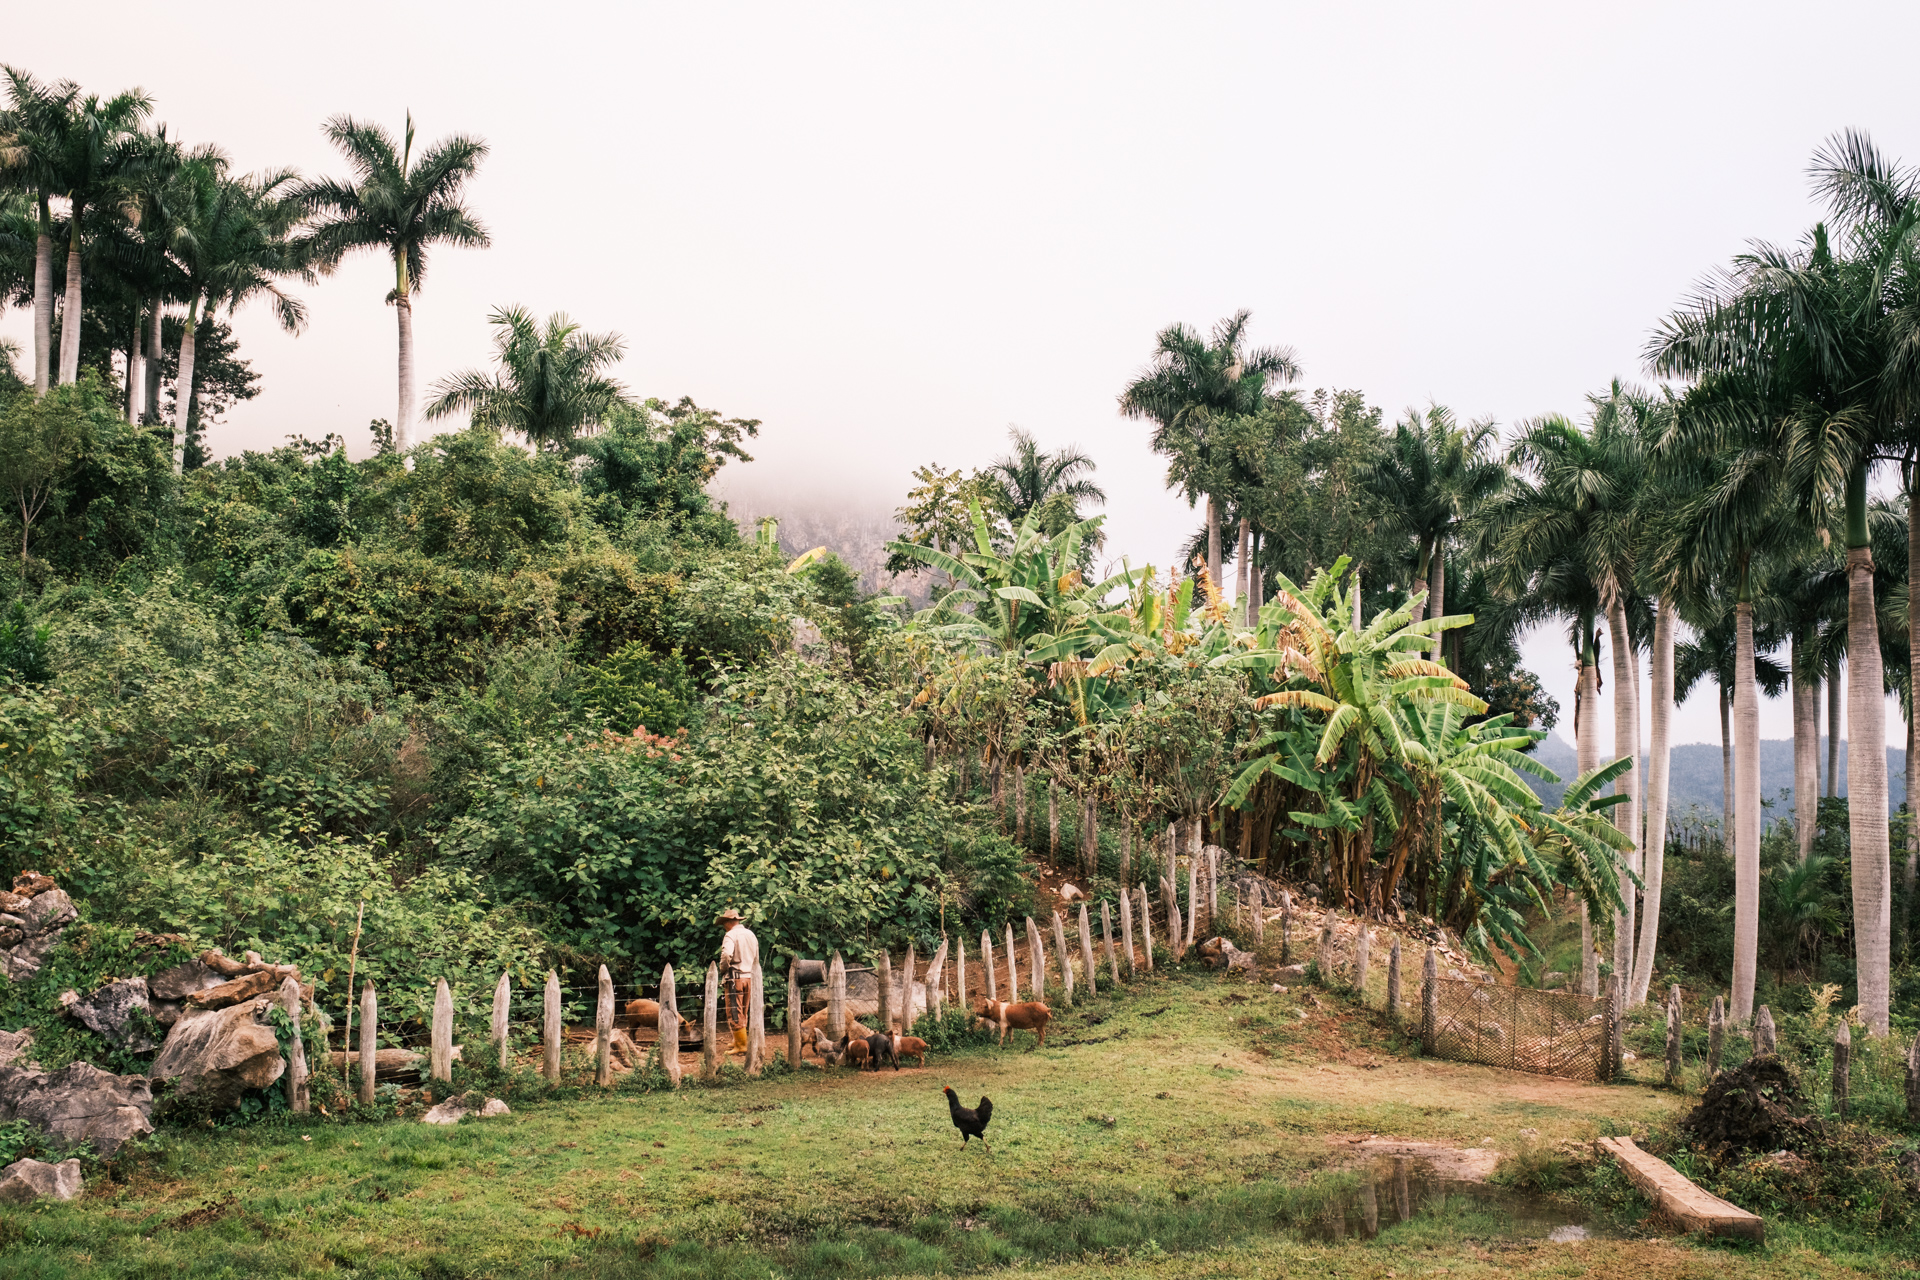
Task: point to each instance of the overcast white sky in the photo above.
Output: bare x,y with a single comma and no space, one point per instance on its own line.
889,231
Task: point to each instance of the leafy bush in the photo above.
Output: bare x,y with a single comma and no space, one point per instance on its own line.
636,687
23,648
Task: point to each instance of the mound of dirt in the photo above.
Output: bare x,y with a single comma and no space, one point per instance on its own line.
1757,1106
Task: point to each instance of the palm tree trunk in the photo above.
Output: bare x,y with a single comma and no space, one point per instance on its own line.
183,387
1913,708
1259,581
1240,570
1212,540
155,322
42,304
1421,576
70,312
1586,736
1660,758
1833,728
403,420
1626,743
1726,775
1746,816
1806,753
1867,771
1437,596
136,371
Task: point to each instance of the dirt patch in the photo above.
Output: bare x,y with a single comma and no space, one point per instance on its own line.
1461,1164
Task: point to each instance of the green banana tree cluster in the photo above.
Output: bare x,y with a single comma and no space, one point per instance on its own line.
1380,767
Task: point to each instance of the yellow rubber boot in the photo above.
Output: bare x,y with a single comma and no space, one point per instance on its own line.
740,1040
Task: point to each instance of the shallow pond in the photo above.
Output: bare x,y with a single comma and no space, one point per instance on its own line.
1397,1189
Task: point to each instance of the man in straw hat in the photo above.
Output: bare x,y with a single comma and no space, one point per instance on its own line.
739,953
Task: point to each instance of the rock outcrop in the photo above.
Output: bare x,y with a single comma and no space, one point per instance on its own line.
221,1053
25,1181
32,917
79,1103
120,1012
15,1047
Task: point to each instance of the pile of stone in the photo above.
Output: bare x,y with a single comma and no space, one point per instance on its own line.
33,915
220,1041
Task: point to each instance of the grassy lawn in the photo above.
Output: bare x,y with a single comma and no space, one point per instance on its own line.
1185,1128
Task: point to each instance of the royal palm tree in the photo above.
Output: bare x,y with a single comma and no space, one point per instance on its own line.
1191,389
1053,485
401,206
1792,343
230,242
1573,505
1433,475
550,386
30,154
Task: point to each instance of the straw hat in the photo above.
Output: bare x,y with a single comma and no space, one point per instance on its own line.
729,916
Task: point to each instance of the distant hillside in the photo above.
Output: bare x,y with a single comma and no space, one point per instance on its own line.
1696,777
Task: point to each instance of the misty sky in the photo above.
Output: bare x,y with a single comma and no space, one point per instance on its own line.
890,231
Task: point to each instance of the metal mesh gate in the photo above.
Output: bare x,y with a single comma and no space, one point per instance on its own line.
1547,1032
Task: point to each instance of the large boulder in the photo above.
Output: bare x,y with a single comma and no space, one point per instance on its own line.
222,1053
182,981
237,991
119,1011
33,928
25,1181
79,1103
15,1046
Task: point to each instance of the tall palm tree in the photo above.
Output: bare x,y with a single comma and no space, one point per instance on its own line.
100,148
230,241
550,386
1794,344
1433,475
1190,390
30,155
1573,503
1031,480
401,206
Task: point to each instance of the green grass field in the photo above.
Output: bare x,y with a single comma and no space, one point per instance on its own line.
1188,1127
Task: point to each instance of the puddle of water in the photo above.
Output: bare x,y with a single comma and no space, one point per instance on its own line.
1397,1189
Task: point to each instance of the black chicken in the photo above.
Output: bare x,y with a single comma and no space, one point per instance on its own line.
970,1121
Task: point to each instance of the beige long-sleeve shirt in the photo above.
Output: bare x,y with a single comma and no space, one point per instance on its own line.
740,951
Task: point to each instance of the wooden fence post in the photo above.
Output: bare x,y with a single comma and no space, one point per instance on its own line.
883,980
369,1042
986,958
793,1014
960,971
297,1093
1258,896
550,1029
1146,926
669,1027
1193,899
1324,960
1842,1067
1393,980
1106,939
1066,962
1673,1038
1176,926
1286,926
1763,1036
1716,1036
906,995
603,1031
1036,961
1362,957
1430,1000
837,998
757,1020
441,1060
937,982
710,1025
1126,933
502,1005
1013,968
